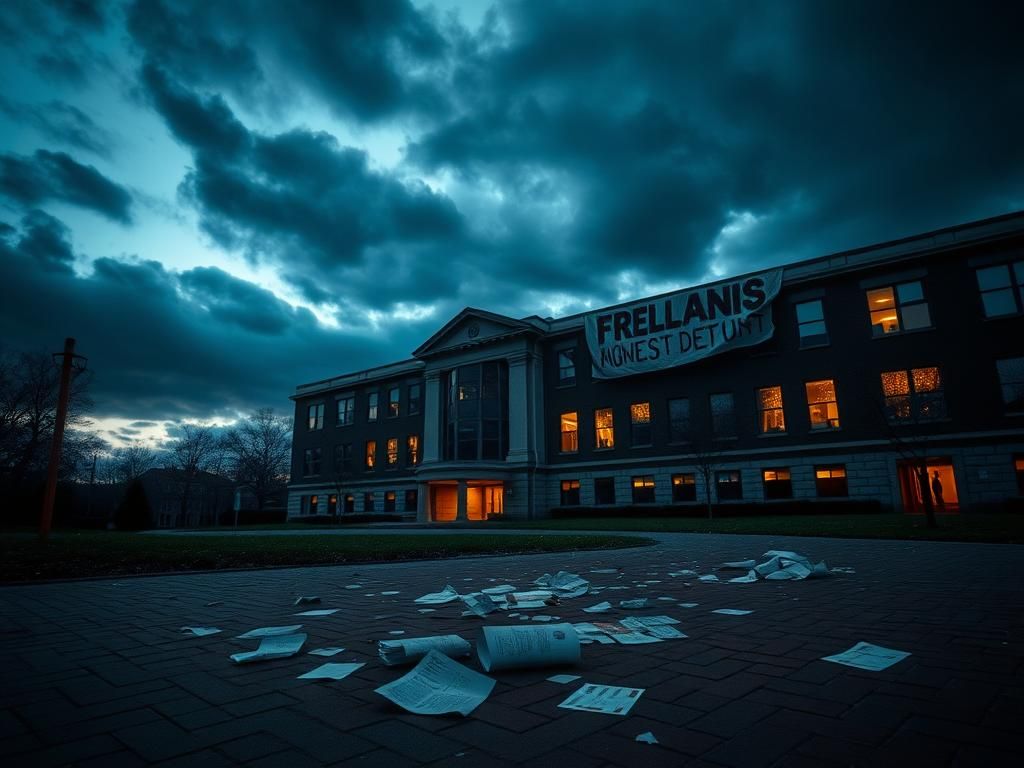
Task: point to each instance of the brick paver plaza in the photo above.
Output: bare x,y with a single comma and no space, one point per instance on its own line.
97,672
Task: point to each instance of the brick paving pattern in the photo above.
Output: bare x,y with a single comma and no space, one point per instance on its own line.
97,673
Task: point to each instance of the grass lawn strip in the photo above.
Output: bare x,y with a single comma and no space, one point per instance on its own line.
101,553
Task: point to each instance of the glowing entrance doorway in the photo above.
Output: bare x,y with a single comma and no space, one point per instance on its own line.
941,487
483,500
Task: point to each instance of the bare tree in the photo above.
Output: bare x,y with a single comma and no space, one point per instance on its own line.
132,461
192,453
706,459
259,451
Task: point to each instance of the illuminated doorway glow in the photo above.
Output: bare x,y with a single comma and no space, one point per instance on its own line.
944,494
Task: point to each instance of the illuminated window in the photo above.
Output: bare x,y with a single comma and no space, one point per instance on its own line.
389,501
604,490
371,406
822,405
1018,467
1002,289
343,457
415,399
350,503
830,481
567,366
728,485
604,428
371,454
332,505
898,308
570,432
1011,380
411,500
684,487
369,503
678,420
311,462
392,451
914,395
315,415
346,410
314,505
412,445
394,402
723,415
643,489
810,324
770,417
640,423
777,484
570,493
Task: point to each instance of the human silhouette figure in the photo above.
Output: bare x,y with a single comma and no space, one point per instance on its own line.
940,504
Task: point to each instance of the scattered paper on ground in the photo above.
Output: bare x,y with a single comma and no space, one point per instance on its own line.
742,565
270,631
606,699
709,577
392,592
446,595
427,610
395,652
499,590
638,603
272,647
731,611
688,605
873,658
200,631
604,570
326,651
750,578
647,738
623,634
481,604
520,647
685,574
438,685
563,679
353,586
599,608
325,612
331,672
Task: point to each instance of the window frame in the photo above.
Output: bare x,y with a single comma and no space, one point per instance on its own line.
643,489
638,430
372,406
311,462
415,403
834,472
394,402
370,455
827,425
601,484
777,488
1015,285
801,324
390,501
369,502
915,398
1014,385
762,410
412,450
563,379
716,432
391,452
345,411
411,500
575,439
569,493
682,436
610,429
315,417
679,483
899,305
721,481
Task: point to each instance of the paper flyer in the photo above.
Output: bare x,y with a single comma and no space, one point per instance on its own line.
438,685
270,632
331,672
272,647
446,595
873,658
200,631
605,699
395,652
529,646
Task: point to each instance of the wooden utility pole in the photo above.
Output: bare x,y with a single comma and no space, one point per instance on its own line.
58,437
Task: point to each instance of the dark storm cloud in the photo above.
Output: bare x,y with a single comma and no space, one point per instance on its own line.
63,123
44,239
57,176
159,349
59,37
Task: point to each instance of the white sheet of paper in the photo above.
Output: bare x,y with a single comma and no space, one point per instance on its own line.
646,738
740,565
325,612
331,672
599,608
731,611
426,610
709,577
353,586
446,595
499,590
438,685
200,631
638,603
521,647
270,632
604,570
541,617
272,647
480,604
873,658
688,605
605,699
648,621
750,578
394,652
326,651
684,573
562,679
392,592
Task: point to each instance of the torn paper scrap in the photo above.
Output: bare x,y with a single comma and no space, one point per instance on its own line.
353,586
306,600
684,574
709,577
481,604
605,699
731,611
270,631
326,651
200,631
646,738
499,590
638,603
742,565
750,578
272,647
873,658
688,605
599,608
438,685
396,652
331,672
522,647
325,612
446,595
563,679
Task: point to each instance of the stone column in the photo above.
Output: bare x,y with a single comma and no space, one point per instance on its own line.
518,409
460,502
422,502
433,392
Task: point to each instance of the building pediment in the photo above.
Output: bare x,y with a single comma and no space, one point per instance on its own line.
472,327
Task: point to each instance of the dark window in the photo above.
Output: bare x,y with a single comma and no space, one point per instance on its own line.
810,323
567,366
777,484
570,493
477,412
411,500
412,446
604,490
830,481
415,399
569,425
640,424
1011,380
332,505
350,504
643,489
1002,289
389,501
369,504
822,407
315,414
684,487
728,486
346,410
914,395
392,452
604,428
896,308
371,454
314,504
770,415
678,420
394,402
371,406
723,415
343,457
311,462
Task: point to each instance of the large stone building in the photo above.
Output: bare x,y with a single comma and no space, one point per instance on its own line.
822,380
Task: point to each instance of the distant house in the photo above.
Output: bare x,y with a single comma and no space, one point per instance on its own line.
205,500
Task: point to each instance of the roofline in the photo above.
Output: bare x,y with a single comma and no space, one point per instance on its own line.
376,373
